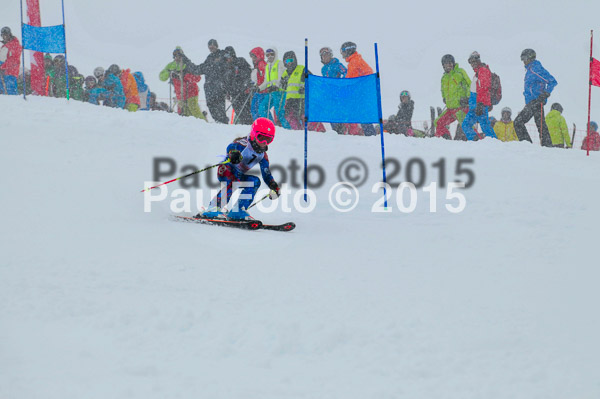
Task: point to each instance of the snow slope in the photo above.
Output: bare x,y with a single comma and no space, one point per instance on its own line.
101,299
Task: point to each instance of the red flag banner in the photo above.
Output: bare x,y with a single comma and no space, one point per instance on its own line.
595,72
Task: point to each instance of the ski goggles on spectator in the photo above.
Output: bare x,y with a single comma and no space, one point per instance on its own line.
405,93
289,60
264,139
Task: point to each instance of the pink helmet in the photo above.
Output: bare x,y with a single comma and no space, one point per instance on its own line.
263,131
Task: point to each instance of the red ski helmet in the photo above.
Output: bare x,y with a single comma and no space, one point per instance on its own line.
263,131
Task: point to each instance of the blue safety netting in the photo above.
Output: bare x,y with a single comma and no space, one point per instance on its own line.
353,100
46,39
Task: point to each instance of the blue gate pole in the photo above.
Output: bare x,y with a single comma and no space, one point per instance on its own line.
23,57
66,61
305,120
381,128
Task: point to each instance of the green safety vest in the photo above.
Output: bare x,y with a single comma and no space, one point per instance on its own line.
271,74
295,82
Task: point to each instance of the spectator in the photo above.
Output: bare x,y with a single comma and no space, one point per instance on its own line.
214,89
557,126
49,71
292,80
505,128
275,97
10,54
27,82
130,89
92,92
333,68
357,67
75,84
157,106
143,91
455,93
538,86
480,99
185,85
115,96
257,55
59,83
237,81
402,122
593,140
99,75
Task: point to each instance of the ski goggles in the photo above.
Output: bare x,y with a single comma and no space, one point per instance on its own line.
405,93
263,139
289,60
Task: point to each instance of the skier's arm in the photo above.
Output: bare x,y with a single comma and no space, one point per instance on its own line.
266,172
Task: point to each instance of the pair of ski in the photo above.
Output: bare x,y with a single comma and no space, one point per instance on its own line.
239,224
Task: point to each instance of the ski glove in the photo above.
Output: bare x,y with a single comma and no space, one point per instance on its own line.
479,109
275,190
235,156
543,97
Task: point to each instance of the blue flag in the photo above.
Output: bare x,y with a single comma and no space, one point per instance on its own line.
353,100
46,39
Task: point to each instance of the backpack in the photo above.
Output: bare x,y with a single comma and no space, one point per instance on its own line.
495,89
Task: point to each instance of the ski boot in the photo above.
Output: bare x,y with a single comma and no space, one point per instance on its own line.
211,213
240,214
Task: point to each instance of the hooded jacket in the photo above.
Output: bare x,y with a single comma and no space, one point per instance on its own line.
258,73
357,66
455,85
537,81
13,62
557,126
143,90
273,71
130,87
237,73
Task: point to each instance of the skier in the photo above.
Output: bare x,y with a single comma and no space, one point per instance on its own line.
455,93
10,53
480,99
505,127
243,154
538,86
557,126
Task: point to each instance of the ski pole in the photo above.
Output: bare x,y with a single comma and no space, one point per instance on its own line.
193,173
237,116
260,200
573,137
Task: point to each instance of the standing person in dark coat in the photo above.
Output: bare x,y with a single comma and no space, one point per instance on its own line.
237,81
214,90
538,86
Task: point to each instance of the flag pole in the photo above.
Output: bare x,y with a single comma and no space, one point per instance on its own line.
381,128
305,120
66,61
590,92
23,57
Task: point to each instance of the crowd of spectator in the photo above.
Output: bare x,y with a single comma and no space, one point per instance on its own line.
274,88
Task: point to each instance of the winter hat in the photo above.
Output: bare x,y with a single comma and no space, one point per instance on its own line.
404,93
6,31
448,59
229,52
290,55
506,109
98,72
90,81
557,107
178,52
114,69
528,54
348,48
213,42
325,50
594,126
474,57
